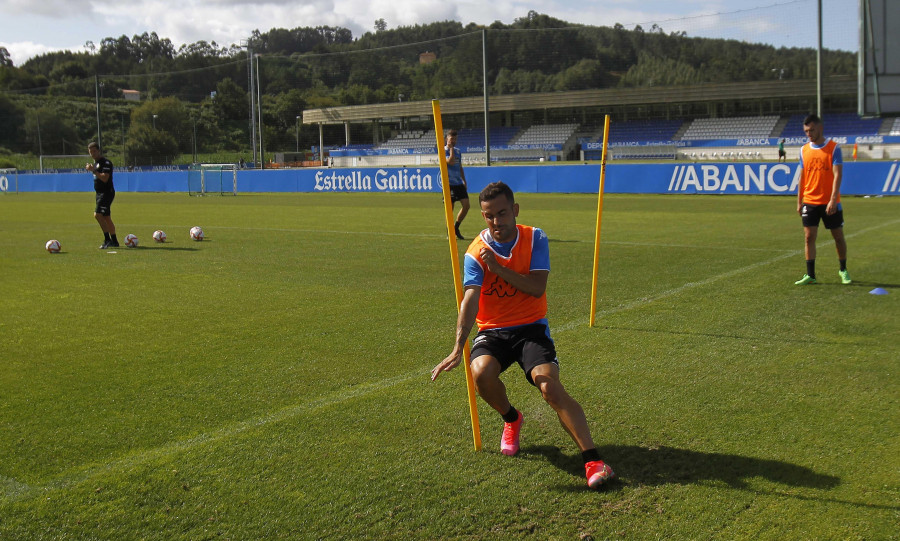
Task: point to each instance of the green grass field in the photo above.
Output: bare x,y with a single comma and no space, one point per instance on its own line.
273,381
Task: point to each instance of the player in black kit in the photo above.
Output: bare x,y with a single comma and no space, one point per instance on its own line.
106,192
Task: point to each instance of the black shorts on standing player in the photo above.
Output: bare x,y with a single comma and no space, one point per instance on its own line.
458,192
104,202
811,214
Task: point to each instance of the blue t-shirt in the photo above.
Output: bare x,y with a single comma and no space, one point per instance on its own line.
454,171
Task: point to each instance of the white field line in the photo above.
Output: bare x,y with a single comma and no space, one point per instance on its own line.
10,489
692,246
13,489
691,285
444,237
206,229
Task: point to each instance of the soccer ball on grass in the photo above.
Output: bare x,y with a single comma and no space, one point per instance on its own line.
196,233
159,235
53,246
131,241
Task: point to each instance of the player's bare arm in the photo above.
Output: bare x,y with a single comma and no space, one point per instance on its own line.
835,190
467,313
534,283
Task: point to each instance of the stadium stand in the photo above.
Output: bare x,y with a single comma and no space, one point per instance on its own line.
474,137
649,137
410,139
837,124
546,134
639,131
895,127
731,128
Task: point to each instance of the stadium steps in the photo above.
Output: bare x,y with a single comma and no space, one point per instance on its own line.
895,127
779,127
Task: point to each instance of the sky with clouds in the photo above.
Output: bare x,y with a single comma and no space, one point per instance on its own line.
33,27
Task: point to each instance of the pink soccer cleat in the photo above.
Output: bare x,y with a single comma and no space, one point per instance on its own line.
597,473
509,443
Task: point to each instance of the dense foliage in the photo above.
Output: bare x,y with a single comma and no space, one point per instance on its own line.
207,85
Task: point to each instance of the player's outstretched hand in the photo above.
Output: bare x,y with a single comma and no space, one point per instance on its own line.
448,364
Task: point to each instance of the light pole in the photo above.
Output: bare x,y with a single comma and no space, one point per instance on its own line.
154,121
194,119
298,133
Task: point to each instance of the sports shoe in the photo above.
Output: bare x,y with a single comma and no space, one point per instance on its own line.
113,245
105,245
458,234
509,443
597,473
845,276
807,279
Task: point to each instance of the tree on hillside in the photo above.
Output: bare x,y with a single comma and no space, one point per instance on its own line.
5,59
147,146
231,102
12,117
47,132
159,128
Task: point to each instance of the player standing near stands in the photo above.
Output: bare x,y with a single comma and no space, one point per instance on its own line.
457,179
106,192
819,196
506,269
782,155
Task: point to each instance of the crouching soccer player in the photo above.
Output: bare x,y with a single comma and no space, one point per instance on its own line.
506,270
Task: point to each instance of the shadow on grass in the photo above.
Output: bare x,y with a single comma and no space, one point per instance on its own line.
672,332
860,284
182,248
667,465
161,246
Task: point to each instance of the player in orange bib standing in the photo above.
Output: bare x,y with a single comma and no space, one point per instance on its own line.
819,196
506,269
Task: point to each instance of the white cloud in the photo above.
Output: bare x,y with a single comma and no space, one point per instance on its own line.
37,27
21,51
56,9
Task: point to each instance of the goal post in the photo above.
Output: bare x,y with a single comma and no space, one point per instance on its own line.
9,180
210,178
62,161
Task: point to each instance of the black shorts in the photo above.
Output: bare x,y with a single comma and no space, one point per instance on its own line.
458,192
811,215
782,154
104,201
528,345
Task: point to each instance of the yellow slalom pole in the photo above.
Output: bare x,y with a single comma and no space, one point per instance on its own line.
454,260
599,219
